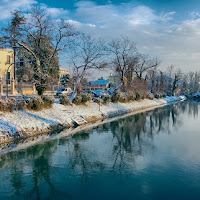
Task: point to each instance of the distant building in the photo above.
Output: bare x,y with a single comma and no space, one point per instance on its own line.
6,58
114,79
63,72
97,85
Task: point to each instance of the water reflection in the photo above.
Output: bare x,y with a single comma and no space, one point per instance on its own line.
113,148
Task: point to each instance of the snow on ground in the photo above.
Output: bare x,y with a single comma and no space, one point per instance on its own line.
26,120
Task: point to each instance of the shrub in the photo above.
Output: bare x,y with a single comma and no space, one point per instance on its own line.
150,96
64,100
20,104
115,97
10,103
29,102
41,88
131,96
157,95
106,99
162,95
7,105
123,97
82,98
85,98
34,103
137,96
48,101
77,100
2,105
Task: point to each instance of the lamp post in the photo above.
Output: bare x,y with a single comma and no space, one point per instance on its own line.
100,102
14,49
7,73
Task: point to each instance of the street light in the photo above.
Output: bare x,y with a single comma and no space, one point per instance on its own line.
14,49
7,73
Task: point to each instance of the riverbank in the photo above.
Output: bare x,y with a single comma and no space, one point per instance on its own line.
24,123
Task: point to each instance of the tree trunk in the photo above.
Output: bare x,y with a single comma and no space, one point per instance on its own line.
75,89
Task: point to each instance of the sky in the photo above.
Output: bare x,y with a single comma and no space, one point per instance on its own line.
167,29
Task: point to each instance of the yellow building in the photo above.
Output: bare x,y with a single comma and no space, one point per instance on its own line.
6,58
63,72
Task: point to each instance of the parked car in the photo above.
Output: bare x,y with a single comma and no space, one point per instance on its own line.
196,96
64,91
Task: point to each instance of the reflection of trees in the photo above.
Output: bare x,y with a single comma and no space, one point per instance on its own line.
80,158
16,179
128,141
39,157
193,108
129,138
133,135
41,167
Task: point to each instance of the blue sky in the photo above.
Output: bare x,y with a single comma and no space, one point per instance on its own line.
168,29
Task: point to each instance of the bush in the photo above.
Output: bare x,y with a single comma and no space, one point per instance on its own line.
48,101
160,95
106,99
2,106
150,96
34,103
82,98
131,96
7,105
157,95
123,97
77,100
29,102
10,104
163,95
85,98
20,105
115,97
137,96
64,100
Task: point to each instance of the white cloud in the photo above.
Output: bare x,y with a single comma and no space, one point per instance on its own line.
156,33
55,12
8,6
141,15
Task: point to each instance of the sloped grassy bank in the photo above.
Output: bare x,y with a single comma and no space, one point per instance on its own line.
22,124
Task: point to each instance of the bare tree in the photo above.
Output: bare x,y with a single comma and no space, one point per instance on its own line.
152,80
144,63
176,76
123,56
30,33
86,53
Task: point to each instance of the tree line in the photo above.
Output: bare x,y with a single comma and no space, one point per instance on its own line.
39,38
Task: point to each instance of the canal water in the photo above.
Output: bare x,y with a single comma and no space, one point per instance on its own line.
152,155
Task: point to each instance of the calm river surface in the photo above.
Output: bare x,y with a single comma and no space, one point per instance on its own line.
153,155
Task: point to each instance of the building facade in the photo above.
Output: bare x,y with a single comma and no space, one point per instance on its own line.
114,79
6,69
97,85
63,72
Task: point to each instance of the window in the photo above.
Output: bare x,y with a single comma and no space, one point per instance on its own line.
8,59
21,62
8,78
